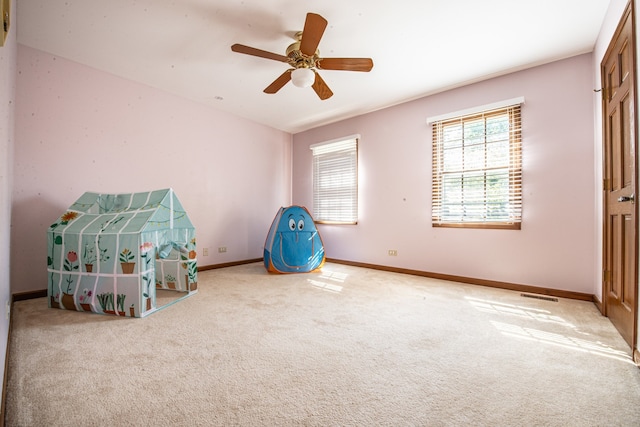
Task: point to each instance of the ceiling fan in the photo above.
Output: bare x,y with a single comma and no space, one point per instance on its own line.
303,56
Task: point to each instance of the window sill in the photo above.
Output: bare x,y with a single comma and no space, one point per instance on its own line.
485,225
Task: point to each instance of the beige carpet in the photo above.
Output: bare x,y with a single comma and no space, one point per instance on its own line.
345,347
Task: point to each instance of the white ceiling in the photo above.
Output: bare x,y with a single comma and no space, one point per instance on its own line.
419,47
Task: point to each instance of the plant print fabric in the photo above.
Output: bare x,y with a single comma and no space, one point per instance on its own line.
108,253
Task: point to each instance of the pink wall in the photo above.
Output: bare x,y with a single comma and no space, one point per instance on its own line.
556,246
7,112
79,129
67,111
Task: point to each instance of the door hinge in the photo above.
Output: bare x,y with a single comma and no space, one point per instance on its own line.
606,276
605,184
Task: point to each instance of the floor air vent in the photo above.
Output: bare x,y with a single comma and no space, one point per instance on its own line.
539,297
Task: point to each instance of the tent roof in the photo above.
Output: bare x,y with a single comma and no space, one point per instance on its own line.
124,213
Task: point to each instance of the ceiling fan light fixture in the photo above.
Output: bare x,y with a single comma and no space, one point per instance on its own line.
303,77
304,59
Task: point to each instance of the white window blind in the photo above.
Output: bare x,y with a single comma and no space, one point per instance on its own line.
335,181
477,170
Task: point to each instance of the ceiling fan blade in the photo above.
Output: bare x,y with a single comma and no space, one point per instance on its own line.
314,27
240,48
321,88
279,82
348,64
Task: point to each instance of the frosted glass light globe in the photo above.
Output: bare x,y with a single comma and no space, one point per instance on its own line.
303,77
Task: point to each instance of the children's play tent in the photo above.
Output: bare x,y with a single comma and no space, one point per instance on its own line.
108,253
293,244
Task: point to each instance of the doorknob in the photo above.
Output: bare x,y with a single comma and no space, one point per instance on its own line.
626,198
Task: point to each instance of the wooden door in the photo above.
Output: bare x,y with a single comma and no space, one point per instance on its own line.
620,240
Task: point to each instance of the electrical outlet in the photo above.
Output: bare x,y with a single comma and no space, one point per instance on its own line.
222,249
8,312
393,252
205,251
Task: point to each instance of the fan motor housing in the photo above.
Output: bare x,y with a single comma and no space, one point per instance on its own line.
299,59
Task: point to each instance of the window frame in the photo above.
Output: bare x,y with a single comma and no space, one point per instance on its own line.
345,150
513,193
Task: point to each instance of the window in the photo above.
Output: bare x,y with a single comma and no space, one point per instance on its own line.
477,170
335,181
